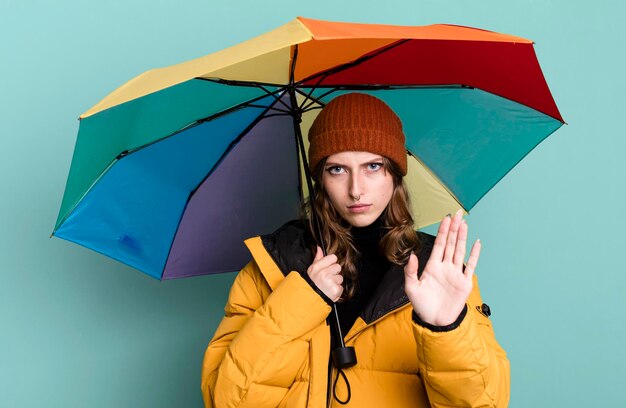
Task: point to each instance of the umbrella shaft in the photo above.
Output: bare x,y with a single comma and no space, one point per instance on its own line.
297,119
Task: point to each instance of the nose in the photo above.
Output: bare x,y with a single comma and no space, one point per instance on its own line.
355,186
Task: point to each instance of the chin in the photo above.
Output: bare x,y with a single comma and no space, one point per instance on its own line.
360,221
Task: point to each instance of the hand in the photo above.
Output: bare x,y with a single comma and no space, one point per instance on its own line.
325,273
439,296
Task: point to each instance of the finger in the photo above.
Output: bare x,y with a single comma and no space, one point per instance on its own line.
338,279
410,270
452,234
461,244
336,293
332,270
319,254
440,240
325,262
472,261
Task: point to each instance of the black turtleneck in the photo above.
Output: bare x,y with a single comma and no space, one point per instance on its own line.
371,266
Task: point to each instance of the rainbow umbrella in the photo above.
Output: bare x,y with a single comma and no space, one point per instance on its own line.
176,167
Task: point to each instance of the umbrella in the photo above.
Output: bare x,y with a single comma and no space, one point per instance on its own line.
175,168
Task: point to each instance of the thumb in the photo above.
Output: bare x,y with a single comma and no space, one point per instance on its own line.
318,254
410,269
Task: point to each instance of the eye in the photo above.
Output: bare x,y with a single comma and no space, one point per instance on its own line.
374,166
335,169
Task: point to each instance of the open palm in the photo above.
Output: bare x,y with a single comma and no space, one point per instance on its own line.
439,295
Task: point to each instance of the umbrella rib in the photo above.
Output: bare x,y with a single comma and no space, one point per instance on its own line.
373,87
215,166
292,68
276,114
381,87
275,109
87,191
232,82
313,100
311,109
318,99
135,149
232,109
357,61
233,144
281,89
324,74
251,84
296,120
293,86
194,124
308,96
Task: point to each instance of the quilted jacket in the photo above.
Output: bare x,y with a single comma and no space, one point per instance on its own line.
272,347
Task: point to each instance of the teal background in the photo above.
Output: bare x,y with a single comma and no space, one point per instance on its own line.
78,329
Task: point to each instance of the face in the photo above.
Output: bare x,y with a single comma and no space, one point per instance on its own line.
358,186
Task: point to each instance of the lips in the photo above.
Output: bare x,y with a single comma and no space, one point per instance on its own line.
359,208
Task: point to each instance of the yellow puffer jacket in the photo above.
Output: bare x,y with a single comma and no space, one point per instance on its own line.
272,347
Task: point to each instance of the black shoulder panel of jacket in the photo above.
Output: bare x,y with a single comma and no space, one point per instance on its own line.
291,247
389,294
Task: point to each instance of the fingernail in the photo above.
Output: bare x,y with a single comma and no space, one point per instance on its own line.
449,215
458,212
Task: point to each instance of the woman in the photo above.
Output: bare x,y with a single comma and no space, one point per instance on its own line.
406,303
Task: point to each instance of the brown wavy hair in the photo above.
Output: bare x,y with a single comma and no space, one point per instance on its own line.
397,243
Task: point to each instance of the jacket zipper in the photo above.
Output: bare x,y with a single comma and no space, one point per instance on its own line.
391,310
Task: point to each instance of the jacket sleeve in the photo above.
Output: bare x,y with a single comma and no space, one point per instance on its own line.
262,340
465,366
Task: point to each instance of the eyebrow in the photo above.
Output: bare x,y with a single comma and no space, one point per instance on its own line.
374,160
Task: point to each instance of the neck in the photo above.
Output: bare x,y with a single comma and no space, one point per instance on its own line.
369,234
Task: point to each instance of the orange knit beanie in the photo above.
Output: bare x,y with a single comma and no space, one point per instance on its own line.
357,122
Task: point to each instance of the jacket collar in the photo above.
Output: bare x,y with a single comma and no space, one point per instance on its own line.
291,249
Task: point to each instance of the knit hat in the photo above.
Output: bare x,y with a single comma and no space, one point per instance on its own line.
357,122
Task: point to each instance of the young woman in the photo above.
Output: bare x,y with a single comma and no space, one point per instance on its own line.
407,304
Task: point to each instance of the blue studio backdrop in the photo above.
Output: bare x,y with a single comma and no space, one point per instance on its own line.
79,329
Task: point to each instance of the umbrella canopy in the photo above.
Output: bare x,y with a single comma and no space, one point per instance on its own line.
176,167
